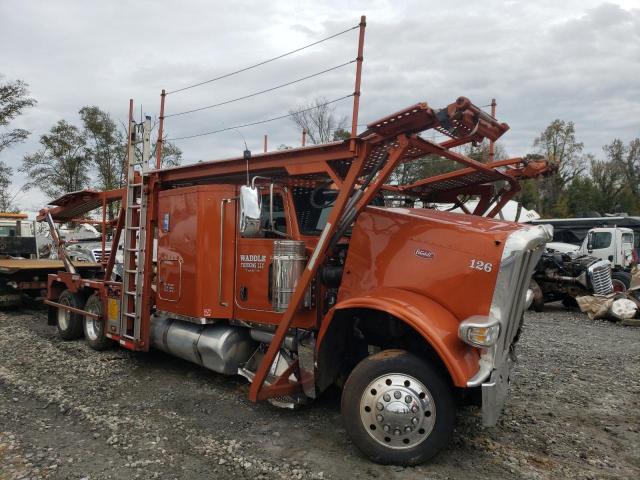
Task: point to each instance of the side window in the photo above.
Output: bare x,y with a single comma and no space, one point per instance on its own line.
601,240
627,238
279,215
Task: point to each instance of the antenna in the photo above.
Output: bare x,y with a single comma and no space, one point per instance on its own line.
247,152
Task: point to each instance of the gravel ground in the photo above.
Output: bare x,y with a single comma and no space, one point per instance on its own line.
68,412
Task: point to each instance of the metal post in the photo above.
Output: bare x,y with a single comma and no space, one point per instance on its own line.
255,390
104,230
146,144
129,143
304,136
491,142
356,91
59,243
160,131
265,143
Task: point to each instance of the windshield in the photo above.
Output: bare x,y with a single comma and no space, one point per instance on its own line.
601,240
313,206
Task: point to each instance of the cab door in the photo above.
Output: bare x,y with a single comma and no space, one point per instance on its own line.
253,298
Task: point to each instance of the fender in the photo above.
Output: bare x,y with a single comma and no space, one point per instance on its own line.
432,321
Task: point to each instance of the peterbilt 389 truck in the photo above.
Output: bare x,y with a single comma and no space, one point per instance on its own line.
287,268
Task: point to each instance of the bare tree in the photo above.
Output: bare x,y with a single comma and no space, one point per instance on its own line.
558,144
319,120
480,151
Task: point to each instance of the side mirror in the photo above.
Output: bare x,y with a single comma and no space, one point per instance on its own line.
250,209
590,242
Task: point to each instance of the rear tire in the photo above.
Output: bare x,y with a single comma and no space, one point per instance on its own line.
621,281
70,323
398,409
538,297
94,331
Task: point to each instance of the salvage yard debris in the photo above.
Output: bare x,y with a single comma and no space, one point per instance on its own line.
615,306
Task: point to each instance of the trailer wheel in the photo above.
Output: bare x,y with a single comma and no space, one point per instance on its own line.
621,281
70,323
94,327
398,409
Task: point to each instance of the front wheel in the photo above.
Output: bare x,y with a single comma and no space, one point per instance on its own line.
621,281
398,409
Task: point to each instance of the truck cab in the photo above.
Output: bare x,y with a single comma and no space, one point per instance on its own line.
611,243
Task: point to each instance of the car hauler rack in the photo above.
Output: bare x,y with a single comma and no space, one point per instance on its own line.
286,268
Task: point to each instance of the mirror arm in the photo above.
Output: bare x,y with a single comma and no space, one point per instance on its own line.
271,207
253,180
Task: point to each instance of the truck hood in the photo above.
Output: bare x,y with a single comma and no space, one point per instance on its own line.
450,258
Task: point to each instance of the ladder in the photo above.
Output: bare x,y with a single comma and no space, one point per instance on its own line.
135,231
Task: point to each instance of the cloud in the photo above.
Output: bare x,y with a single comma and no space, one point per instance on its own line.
574,60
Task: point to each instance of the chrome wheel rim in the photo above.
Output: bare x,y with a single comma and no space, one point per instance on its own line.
397,411
618,286
93,326
64,317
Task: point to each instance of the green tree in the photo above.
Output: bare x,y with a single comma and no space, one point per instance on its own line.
62,164
582,196
628,158
14,99
609,183
341,134
528,195
105,145
6,196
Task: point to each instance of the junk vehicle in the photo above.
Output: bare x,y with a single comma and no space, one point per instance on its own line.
614,244
565,276
295,281
284,267
22,271
575,230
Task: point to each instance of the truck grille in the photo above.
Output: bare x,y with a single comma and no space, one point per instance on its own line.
601,280
97,254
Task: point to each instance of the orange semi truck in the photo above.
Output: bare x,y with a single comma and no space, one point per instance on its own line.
287,268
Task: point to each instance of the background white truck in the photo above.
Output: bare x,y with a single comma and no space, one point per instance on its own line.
615,244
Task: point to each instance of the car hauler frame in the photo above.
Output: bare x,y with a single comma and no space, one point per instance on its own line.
295,351
280,268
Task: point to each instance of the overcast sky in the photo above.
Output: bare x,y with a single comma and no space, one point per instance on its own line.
575,60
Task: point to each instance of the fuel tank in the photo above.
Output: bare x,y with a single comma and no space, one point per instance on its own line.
218,347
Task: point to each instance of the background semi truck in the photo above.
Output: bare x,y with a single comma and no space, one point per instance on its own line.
612,244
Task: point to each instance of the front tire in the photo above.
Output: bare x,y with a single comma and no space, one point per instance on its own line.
70,323
398,409
94,331
621,281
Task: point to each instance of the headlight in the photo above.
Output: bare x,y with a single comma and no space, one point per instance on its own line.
479,331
